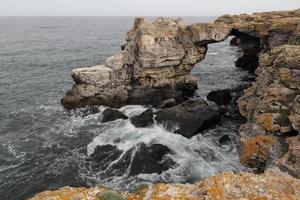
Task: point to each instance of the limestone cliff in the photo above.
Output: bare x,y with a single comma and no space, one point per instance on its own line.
155,64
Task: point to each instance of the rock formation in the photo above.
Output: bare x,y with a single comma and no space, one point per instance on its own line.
271,104
154,65
226,186
261,32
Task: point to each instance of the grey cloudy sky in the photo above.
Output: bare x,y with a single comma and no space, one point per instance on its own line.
140,7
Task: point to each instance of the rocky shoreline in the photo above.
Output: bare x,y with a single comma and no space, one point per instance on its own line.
154,68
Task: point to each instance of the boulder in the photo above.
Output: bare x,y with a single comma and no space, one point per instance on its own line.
112,115
168,103
143,120
220,97
103,155
150,159
189,118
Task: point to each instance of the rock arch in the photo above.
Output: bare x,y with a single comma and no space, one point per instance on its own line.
154,65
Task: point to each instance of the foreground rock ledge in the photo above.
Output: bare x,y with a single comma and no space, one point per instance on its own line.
154,65
226,186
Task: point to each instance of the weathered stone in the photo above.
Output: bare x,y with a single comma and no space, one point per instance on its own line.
220,97
189,118
156,56
143,120
167,103
272,28
112,115
271,185
260,151
290,162
150,159
271,101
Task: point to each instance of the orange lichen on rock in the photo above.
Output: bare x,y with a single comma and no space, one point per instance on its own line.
268,122
257,151
70,193
168,191
272,185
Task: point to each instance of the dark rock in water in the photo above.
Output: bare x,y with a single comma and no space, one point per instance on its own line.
112,115
147,159
143,120
224,140
220,97
104,155
191,117
152,96
90,111
235,41
248,62
151,159
168,103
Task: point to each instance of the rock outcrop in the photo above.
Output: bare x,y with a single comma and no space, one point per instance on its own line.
189,118
262,32
270,42
226,186
271,29
272,100
154,65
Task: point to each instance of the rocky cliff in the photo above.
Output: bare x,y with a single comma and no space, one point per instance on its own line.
271,104
154,65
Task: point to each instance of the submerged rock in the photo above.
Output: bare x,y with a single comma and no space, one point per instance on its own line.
189,118
112,115
155,64
143,120
220,97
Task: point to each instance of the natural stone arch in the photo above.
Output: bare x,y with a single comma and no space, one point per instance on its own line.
154,65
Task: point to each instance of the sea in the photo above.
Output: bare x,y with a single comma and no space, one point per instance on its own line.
44,146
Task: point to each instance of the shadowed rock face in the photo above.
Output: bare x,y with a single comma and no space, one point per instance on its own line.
156,60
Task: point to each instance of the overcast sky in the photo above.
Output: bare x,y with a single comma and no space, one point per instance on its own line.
140,7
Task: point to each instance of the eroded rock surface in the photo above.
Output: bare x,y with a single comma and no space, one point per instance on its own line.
226,186
154,65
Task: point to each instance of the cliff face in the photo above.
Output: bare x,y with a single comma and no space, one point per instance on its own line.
271,104
226,186
156,60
